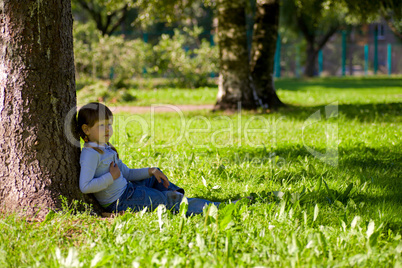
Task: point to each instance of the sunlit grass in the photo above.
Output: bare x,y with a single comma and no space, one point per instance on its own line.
220,156
318,91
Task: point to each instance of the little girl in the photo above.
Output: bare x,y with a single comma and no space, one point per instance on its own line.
115,186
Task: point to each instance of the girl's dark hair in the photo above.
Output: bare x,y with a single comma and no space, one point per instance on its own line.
91,113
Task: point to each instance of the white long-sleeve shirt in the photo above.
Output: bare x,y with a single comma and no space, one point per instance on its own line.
96,178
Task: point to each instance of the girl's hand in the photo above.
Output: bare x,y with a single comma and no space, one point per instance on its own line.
159,176
114,170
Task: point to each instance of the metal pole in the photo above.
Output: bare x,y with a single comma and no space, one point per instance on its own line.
343,52
111,73
298,61
211,40
145,39
320,61
278,57
389,52
212,43
375,49
366,59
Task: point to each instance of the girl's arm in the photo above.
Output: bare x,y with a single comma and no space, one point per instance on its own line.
161,178
134,174
142,173
88,184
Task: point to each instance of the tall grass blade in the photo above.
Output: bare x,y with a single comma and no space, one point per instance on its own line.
316,210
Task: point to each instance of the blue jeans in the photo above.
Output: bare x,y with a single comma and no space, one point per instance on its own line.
150,193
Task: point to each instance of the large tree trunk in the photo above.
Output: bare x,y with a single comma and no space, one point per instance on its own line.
234,76
37,91
263,52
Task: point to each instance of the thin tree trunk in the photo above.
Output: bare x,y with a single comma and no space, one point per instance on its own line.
310,67
37,91
313,48
263,52
234,77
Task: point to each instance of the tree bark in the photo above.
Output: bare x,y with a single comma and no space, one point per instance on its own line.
37,92
263,52
234,77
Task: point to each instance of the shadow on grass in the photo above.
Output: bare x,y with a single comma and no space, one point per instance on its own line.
174,83
377,168
339,83
379,112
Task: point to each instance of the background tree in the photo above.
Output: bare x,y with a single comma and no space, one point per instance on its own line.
234,74
37,91
317,21
236,80
265,34
256,75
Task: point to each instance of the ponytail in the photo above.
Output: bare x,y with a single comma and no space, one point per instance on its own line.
114,149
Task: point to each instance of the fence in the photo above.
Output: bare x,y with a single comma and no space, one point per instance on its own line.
340,58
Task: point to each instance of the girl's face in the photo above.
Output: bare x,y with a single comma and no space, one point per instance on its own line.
101,132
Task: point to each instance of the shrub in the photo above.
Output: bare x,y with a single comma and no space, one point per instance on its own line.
108,57
101,90
184,57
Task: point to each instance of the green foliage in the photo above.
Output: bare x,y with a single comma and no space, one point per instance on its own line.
319,15
108,57
183,57
313,17
186,58
108,15
109,6
168,10
368,11
104,91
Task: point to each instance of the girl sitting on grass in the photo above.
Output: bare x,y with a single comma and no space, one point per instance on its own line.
115,186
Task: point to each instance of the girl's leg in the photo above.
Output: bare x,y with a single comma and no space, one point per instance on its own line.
174,195
139,197
173,200
196,205
160,187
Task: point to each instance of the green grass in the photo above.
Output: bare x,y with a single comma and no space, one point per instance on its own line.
173,96
317,222
292,91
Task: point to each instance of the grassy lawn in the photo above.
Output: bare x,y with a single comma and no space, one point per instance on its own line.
292,91
326,182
